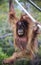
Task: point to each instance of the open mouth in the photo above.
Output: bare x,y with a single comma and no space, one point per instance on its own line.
20,32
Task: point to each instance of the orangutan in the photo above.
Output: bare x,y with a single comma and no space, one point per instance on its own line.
25,36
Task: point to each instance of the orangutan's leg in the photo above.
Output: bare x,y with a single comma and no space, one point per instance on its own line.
15,56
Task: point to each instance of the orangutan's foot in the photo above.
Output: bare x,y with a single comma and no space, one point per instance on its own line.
7,61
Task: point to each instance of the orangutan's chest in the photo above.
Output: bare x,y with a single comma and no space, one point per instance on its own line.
21,43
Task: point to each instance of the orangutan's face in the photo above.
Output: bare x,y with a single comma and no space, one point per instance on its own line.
21,28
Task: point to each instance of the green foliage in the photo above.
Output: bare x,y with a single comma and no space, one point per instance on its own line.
2,55
39,16
18,12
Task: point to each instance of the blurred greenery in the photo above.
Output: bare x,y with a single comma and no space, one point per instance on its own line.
6,44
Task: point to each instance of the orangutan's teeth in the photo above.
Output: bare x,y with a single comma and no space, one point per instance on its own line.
20,32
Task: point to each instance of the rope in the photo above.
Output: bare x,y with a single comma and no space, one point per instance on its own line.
30,1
